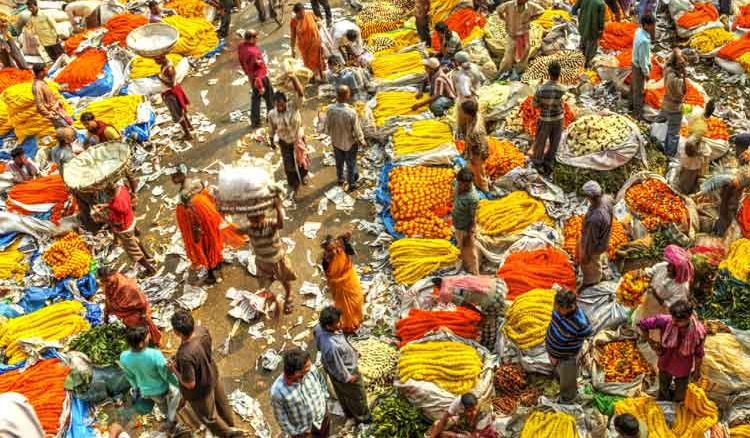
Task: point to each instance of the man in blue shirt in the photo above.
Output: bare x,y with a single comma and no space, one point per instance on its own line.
641,63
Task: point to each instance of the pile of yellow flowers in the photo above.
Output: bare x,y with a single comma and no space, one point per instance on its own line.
13,263
632,290
549,424
197,35
744,61
392,104
142,67
393,40
421,137
413,258
5,125
510,214
737,261
710,40
68,257
439,11
22,112
118,111
51,323
453,366
694,417
528,317
391,66
741,431
187,8
379,17
551,17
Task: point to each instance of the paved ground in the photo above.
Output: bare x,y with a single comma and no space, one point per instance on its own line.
238,368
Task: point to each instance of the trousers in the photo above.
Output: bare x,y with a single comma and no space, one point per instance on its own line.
352,397
348,160
665,387
509,57
316,4
267,96
589,48
592,271
214,411
672,140
637,82
551,131
226,18
423,29
469,255
567,372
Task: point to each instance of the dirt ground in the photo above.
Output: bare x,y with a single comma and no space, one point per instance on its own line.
238,368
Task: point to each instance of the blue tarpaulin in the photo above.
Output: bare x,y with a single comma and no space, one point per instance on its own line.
29,146
47,354
36,297
7,240
216,50
140,131
98,88
80,422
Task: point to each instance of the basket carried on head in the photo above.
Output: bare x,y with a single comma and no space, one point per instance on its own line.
248,188
153,40
98,167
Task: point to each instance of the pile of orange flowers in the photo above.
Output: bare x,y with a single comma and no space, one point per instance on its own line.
12,76
530,115
462,22
72,43
655,203
618,35
625,59
461,322
119,26
734,49
701,14
84,69
43,384
632,289
654,96
424,193
538,269
44,190
503,157
622,362
187,8
742,19
716,129
572,233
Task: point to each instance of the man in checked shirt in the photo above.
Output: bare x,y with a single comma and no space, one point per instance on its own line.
548,98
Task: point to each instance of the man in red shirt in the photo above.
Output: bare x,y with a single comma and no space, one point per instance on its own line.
122,222
254,66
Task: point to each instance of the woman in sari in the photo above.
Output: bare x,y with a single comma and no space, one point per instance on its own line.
204,231
125,299
306,36
343,281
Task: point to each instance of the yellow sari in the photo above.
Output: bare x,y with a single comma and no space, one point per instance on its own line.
345,288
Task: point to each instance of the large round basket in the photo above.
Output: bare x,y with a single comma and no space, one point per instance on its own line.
152,40
97,167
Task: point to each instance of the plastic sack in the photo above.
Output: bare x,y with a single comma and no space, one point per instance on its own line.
592,354
726,365
441,155
599,303
433,400
152,85
731,67
615,156
687,33
238,184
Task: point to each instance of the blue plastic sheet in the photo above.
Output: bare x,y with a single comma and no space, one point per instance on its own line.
37,297
29,145
47,354
383,197
7,240
94,314
80,422
9,311
140,131
98,88
216,50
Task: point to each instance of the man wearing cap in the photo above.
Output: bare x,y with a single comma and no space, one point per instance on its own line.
442,93
517,15
254,66
595,232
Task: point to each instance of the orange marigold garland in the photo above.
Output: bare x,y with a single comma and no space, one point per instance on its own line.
119,26
84,69
716,129
421,197
622,362
504,157
655,203
618,35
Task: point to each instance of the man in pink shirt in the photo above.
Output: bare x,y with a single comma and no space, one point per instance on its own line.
254,66
680,348
122,222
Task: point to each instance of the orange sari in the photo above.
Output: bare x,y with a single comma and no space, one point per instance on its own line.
308,41
346,291
215,233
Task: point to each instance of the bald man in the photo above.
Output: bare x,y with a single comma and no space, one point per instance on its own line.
343,126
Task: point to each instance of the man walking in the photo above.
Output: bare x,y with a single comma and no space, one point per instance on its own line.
343,126
595,232
675,83
44,28
567,330
517,15
198,375
548,98
254,66
463,215
286,123
299,397
224,9
641,63
340,362
316,4
476,150
590,26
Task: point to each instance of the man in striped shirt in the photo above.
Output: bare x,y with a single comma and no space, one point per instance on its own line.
548,98
567,330
442,93
271,262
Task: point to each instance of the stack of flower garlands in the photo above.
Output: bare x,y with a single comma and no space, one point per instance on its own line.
83,70
572,233
737,51
694,417
197,35
421,197
43,385
187,8
549,424
393,103
552,17
710,40
391,66
716,129
625,60
439,11
527,319
23,114
742,19
653,96
510,214
39,191
68,257
618,35
13,263
10,76
377,17
392,41
530,115
655,203
632,289
537,269
701,14
52,323
503,157
413,259
622,361
421,137
467,23
118,111
461,322
141,67
453,366
120,26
